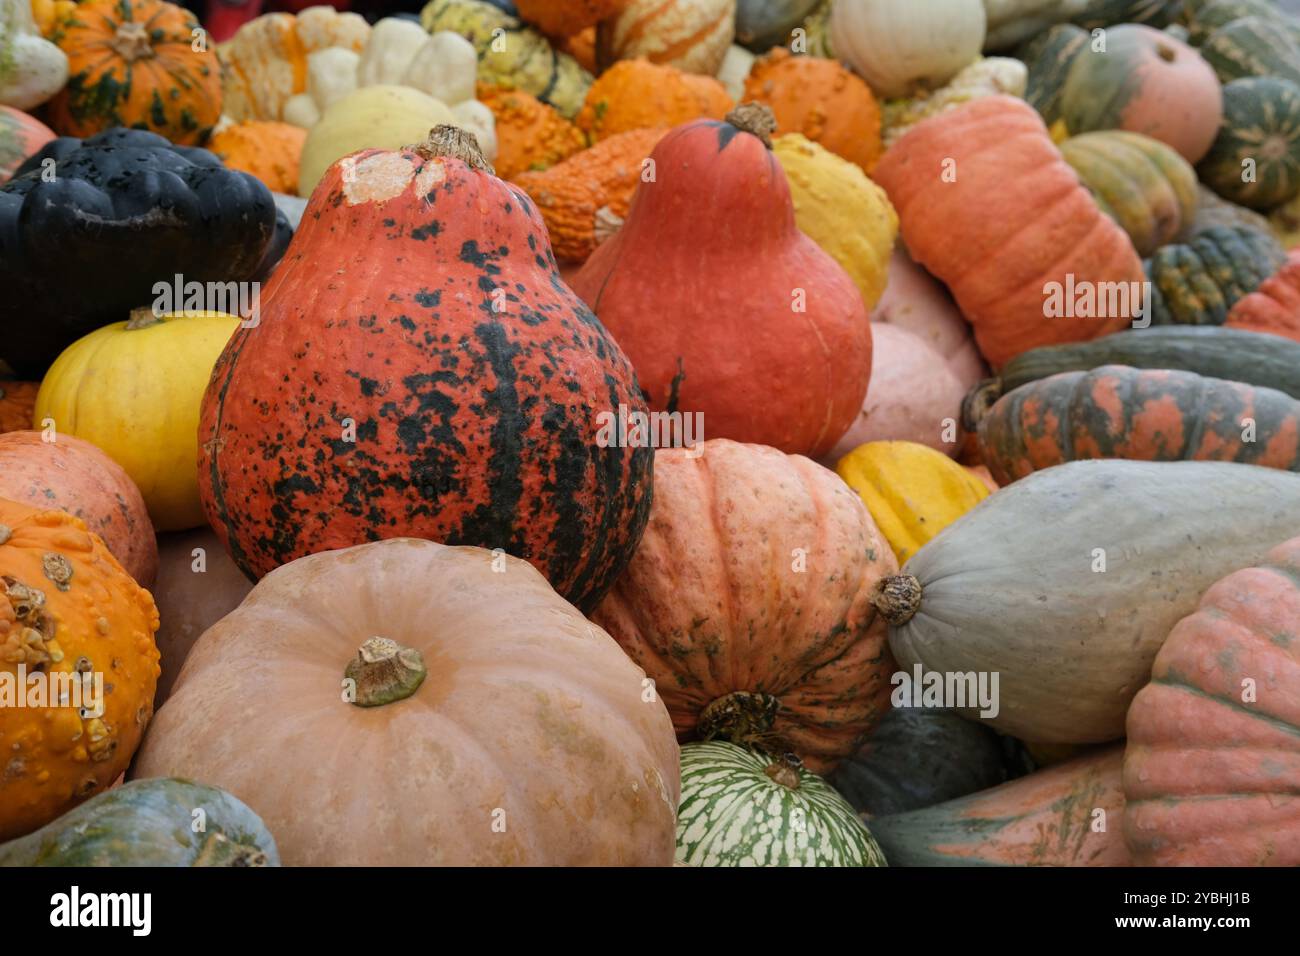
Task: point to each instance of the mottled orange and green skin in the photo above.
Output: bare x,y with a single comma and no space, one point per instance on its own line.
420,369
1142,414
1211,773
20,136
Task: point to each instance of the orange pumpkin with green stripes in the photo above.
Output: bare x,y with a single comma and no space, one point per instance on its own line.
134,63
1144,414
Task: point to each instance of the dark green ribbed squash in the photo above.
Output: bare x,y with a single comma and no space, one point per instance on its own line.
763,24
1104,13
1199,281
1048,57
1252,46
1261,126
1203,17
917,757
150,823
1141,183
1212,210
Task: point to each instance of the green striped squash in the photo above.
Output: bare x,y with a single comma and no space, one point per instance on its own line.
1255,160
1203,17
1141,183
1048,57
1104,13
1199,281
1252,46
524,58
743,808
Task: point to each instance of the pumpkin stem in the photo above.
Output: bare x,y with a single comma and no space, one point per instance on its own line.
131,42
785,771
384,672
142,318
756,118
978,401
742,717
897,598
220,850
454,142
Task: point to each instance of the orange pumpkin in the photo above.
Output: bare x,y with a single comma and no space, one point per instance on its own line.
20,136
1275,306
987,204
564,18
262,148
820,99
133,63
585,198
635,94
75,476
748,602
1212,767
582,47
68,611
17,403
530,134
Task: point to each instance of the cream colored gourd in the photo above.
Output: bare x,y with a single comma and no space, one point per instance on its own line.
902,47
984,77
735,68
478,119
373,117
32,69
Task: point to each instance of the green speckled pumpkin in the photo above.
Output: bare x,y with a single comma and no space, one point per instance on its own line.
511,53
1252,46
740,807
1048,57
1141,183
1255,160
1199,281
150,823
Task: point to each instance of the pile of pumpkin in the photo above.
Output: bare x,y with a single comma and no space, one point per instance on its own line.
480,633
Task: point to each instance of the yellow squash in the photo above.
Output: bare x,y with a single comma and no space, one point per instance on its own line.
912,491
133,389
841,210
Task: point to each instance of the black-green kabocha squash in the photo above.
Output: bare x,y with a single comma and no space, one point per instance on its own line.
84,240
158,822
1197,282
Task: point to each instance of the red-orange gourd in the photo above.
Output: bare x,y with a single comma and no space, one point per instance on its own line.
1275,306
988,205
724,307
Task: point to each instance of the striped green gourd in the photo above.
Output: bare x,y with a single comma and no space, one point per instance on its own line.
1255,159
1199,281
150,823
1048,57
1203,17
743,808
1104,13
1252,46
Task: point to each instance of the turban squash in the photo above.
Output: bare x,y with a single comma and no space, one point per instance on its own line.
998,248
451,388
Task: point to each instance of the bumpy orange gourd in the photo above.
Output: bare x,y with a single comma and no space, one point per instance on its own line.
530,134
263,148
585,198
635,94
820,99
988,205
67,607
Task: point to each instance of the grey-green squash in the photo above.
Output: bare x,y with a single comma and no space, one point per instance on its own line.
740,807
1255,159
1141,183
1049,56
158,822
1197,282
1203,17
1104,13
1066,583
1252,46
763,24
1213,210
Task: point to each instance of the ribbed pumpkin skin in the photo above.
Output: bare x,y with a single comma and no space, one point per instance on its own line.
995,247
149,823
1203,17
1252,46
1145,414
917,757
1145,82
472,375
1048,57
1212,774
1073,645
732,267
1044,819
132,63
20,136
1261,122
732,813
1141,183
714,602
1274,307
77,477
1198,282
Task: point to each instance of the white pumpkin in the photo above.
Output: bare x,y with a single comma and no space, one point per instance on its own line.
735,68
32,69
902,47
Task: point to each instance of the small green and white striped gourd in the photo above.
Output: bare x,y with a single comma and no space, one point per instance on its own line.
743,808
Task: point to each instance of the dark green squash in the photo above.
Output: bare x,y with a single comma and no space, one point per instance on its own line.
150,823
1267,361
1199,281
763,24
1261,127
917,757
1104,13
1213,210
1048,57
1252,46
1203,17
